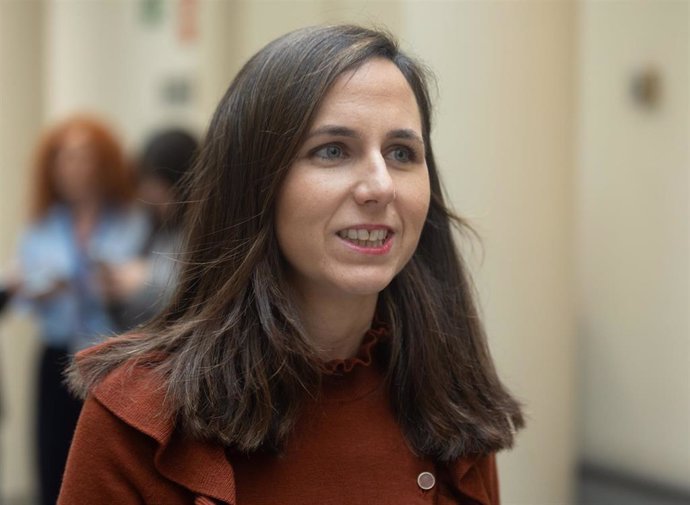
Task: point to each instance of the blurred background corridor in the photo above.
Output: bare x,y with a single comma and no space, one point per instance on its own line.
563,133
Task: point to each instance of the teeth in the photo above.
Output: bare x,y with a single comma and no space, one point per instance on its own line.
365,238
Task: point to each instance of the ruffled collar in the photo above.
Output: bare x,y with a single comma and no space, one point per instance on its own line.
364,357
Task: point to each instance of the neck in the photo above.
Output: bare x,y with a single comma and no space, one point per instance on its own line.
336,324
86,208
85,216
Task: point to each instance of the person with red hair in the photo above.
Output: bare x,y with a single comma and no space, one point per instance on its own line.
82,222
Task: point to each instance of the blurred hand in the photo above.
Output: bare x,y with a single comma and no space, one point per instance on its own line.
123,280
13,282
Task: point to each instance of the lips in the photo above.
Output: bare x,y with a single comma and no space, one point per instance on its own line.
364,237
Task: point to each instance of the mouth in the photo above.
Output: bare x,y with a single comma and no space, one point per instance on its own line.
366,238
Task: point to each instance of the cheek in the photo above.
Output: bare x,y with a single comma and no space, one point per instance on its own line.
291,206
417,202
307,200
298,211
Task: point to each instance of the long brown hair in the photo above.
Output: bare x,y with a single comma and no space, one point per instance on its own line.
237,365
114,175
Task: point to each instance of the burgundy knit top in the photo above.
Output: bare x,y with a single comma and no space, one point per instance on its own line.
347,448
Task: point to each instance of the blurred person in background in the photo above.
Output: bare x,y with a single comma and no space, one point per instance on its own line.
323,344
143,286
82,222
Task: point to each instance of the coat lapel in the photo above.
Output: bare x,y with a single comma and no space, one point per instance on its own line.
475,477
199,466
137,397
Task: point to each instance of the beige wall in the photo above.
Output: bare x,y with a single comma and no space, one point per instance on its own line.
21,113
633,241
106,58
234,31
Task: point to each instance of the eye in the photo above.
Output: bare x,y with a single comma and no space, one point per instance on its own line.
402,155
330,152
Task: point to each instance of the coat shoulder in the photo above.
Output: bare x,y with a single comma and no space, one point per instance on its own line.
136,393
112,462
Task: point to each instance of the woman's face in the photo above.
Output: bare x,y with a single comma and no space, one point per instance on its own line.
75,169
353,204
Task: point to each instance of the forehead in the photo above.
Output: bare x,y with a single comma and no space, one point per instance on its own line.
75,137
376,88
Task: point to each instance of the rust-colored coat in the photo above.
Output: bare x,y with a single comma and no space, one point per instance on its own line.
126,452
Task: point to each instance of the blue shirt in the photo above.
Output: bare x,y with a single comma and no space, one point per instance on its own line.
75,316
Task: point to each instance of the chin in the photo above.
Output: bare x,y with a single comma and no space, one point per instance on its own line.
366,288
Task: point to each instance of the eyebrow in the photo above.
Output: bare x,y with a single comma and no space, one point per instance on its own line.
336,131
344,131
406,134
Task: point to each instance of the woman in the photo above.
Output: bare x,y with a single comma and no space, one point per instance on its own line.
323,345
81,222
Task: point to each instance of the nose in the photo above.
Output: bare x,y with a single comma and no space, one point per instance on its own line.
375,184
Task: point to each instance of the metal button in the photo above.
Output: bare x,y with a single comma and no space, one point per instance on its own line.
426,480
